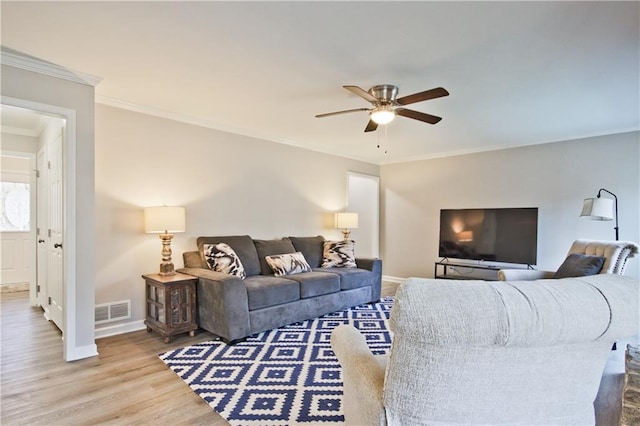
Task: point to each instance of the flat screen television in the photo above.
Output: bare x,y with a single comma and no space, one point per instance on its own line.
508,235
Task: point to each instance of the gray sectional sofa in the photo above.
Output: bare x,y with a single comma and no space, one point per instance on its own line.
234,308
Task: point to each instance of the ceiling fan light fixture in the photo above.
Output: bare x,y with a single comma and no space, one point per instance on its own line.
383,114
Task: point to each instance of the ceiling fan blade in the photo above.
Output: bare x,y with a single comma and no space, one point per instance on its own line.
362,93
422,96
416,115
371,126
327,114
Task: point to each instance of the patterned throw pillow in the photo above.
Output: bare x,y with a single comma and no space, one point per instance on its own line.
221,258
288,264
339,254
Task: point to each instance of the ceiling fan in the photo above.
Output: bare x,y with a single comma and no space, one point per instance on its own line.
386,106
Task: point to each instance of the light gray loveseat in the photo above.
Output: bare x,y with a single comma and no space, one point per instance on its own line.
234,308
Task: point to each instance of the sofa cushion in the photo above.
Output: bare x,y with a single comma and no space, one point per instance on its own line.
338,254
266,248
316,283
580,265
351,278
288,264
311,248
222,258
264,291
242,245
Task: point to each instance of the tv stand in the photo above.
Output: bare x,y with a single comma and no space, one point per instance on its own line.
445,264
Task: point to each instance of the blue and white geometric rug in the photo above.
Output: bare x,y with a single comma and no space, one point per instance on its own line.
287,376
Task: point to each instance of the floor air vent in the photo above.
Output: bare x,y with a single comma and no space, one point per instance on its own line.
114,311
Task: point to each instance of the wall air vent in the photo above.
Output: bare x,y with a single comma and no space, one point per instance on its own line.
114,311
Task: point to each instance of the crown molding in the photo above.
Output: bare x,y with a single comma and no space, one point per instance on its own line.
30,63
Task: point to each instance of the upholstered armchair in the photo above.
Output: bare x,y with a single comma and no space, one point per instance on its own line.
615,253
480,352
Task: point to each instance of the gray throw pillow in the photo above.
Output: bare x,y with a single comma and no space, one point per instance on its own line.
311,247
580,265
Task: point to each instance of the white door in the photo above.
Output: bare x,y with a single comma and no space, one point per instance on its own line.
42,226
55,269
363,193
15,221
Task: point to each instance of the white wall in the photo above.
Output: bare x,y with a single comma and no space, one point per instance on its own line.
554,177
229,184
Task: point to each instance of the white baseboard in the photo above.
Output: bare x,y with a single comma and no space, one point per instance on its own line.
391,279
113,330
81,352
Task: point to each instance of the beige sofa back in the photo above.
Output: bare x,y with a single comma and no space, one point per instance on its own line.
500,352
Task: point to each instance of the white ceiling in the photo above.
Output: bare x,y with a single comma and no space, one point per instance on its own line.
519,73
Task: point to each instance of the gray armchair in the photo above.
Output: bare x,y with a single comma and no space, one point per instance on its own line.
616,254
480,352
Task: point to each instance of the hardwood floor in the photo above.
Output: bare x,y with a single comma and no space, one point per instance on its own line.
126,384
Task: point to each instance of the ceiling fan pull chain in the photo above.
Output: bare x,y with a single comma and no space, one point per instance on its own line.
386,129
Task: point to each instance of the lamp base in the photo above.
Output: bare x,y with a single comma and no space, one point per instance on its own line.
346,233
166,267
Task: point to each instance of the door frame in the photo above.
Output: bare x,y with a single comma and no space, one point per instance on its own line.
32,218
69,213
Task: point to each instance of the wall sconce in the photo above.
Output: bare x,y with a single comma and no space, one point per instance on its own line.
601,209
346,221
164,220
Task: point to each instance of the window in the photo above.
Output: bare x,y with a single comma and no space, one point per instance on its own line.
14,207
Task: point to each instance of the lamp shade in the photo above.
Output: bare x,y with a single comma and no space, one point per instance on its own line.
347,220
597,209
164,219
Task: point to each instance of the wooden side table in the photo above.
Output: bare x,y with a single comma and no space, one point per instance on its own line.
171,304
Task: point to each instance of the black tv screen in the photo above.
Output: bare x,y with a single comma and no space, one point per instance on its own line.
501,235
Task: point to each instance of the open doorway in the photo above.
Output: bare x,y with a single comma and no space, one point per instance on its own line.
32,208
363,197
17,227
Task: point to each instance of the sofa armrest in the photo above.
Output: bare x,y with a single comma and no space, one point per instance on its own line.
523,274
375,266
369,264
223,305
362,376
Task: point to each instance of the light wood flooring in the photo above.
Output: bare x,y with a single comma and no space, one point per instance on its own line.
126,384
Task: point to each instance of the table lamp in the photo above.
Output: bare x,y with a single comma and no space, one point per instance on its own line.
164,220
346,221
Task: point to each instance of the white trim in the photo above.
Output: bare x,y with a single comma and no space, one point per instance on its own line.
114,330
39,66
81,352
498,147
391,279
70,351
